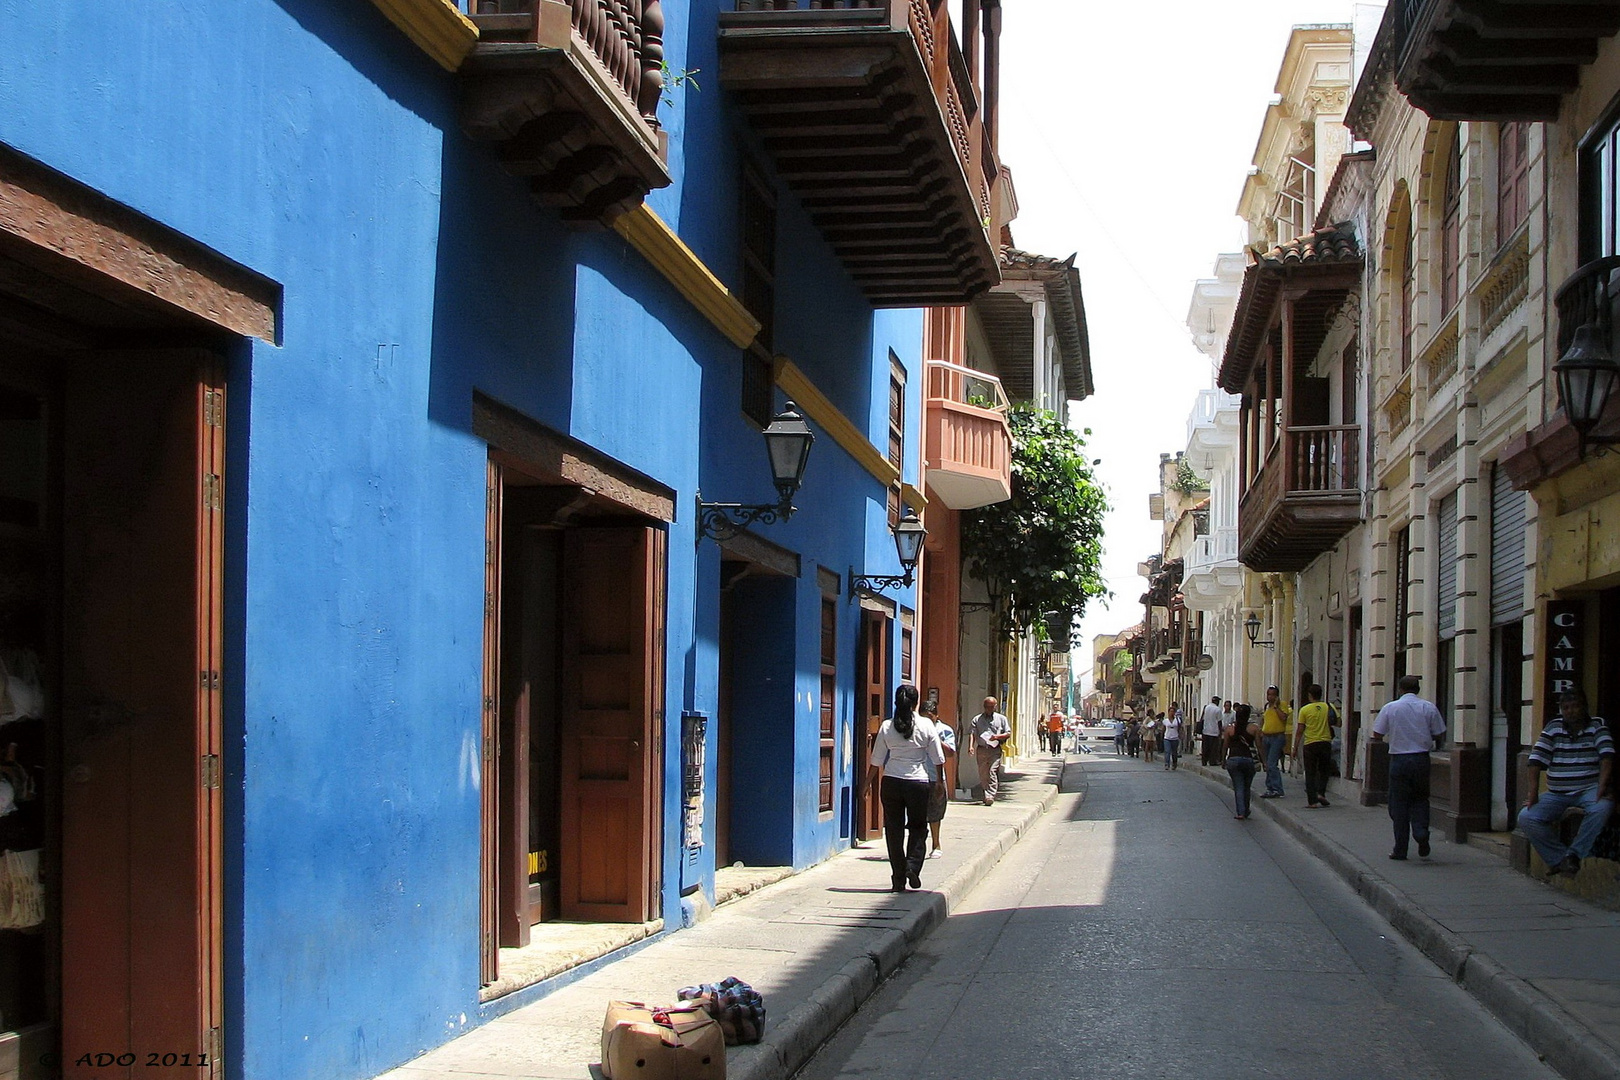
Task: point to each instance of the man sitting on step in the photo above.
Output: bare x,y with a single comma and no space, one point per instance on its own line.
1576,752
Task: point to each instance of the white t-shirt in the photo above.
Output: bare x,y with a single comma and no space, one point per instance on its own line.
908,759
1212,719
1172,727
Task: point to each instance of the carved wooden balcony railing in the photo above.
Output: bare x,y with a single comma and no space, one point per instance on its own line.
569,92
1495,59
876,119
1306,497
967,444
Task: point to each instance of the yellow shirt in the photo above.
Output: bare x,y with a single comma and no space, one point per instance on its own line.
1315,718
1275,720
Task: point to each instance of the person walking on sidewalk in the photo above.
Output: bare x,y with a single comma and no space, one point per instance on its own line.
987,733
1054,733
1313,743
939,797
1172,738
1412,727
1274,740
1239,740
1576,751
902,753
1119,738
1211,722
1150,737
1133,737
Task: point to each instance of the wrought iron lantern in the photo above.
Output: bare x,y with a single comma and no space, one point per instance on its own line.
1251,626
908,544
1587,378
787,445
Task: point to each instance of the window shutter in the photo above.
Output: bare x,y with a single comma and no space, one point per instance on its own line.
1446,526
1508,511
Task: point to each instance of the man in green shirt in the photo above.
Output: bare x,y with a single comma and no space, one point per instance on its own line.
1313,742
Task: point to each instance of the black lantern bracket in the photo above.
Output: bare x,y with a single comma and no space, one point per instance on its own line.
1587,374
1251,626
787,444
908,544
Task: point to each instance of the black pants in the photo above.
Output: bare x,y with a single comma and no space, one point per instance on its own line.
1409,798
905,826
1318,767
1210,750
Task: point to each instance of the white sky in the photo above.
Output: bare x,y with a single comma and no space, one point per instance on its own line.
1129,128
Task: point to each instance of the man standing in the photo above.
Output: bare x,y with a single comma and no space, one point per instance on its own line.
1119,738
1412,727
987,732
1576,752
1209,729
1054,733
1313,742
1172,737
1274,740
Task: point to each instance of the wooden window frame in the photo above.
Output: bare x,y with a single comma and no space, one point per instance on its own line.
897,433
1512,179
827,750
1408,294
757,258
1451,225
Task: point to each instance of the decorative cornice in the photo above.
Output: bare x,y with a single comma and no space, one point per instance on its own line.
437,27
670,256
913,498
809,398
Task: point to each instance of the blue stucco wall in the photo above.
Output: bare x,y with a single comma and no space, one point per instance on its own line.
311,142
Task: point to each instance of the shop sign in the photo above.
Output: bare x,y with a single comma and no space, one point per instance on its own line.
1566,639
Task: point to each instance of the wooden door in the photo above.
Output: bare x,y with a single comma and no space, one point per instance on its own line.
612,674
143,479
489,804
872,709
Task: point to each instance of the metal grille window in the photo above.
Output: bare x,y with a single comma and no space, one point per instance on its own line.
1402,542
1508,512
1446,551
758,292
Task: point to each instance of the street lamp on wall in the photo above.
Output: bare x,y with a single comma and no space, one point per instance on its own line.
908,542
787,445
1251,626
1587,377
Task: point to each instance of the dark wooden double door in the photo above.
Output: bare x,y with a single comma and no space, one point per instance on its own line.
573,724
872,695
111,553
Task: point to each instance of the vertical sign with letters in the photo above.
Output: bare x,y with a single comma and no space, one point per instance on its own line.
1566,634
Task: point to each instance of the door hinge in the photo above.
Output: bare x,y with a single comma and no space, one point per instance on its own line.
208,680
212,491
210,771
213,408
214,1042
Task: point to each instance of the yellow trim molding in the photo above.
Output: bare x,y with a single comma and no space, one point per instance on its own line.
670,256
437,27
913,498
797,385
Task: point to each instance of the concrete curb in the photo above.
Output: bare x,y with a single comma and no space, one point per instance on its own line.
790,1041
1557,1037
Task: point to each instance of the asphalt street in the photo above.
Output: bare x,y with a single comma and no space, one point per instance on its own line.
1140,931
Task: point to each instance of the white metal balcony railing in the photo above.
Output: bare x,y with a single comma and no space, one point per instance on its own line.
1213,548
1207,409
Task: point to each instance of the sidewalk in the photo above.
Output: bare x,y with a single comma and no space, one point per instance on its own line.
816,945
1545,963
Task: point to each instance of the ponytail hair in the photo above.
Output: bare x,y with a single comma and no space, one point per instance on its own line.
905,706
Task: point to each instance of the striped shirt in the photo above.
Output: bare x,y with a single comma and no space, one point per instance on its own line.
1571,760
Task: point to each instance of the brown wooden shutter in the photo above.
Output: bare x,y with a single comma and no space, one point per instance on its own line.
489,806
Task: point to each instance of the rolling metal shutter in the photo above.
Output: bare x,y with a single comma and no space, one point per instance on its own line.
1509,509
1446,545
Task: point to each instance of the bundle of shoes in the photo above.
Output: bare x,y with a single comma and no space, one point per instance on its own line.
737,1007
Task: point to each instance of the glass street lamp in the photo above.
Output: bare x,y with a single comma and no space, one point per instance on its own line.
908,544
1587,376
1251,626
787,445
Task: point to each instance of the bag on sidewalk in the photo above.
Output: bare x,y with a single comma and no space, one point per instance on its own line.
640,1042
738,1008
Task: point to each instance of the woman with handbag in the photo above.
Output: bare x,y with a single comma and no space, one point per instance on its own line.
902,751
1238,742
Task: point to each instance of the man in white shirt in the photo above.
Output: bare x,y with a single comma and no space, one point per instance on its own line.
1209,727
1412,728
986,733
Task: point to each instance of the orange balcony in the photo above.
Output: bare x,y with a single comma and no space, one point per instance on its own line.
968,444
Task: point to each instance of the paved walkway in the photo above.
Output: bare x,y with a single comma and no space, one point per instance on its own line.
1545,963
816,945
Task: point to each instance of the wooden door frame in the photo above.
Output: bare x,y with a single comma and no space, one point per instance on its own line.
874,632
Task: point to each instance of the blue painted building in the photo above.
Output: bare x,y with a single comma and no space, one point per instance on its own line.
361,367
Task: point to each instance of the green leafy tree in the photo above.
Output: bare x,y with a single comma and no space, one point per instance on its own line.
1041,551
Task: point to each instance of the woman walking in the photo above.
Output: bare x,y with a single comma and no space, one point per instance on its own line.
939,796
1238,741
902,751
1150,738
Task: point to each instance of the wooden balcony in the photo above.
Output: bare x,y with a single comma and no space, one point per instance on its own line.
1306,498
967,443
1494,59
568,93
874,117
